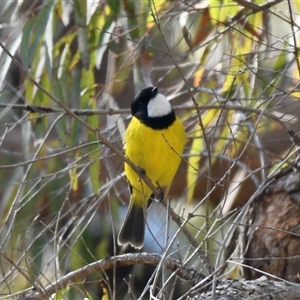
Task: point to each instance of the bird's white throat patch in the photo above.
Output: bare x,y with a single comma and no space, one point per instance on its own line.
159,106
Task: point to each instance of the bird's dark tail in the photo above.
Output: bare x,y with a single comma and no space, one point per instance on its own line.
133,229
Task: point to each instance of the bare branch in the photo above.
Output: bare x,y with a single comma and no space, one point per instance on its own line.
256,289
185,273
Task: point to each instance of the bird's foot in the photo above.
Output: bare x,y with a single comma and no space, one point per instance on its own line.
159,195
141,172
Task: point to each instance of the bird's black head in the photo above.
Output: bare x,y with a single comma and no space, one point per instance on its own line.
152,109
141,100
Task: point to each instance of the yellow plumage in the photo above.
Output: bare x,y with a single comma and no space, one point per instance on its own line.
157,152
154,142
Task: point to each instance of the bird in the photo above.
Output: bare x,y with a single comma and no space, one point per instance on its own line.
154,142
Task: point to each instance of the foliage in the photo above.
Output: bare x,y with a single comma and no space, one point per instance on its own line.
230,67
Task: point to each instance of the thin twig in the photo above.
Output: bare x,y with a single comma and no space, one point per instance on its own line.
96,131
201,254
91,112
292,23
188,274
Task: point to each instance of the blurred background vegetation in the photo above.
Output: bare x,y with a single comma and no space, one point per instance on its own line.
231,69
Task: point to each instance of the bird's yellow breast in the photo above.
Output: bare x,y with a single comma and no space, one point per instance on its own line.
157,152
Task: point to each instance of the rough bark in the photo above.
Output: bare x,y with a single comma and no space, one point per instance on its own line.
261,288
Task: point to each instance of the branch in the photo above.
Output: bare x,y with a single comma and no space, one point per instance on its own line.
92,112
111,262
96,131
182,225
261,288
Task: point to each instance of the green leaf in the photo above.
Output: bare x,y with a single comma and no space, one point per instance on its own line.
297,6
87,87
75,132
193,163
208,119
82,31
61,294
75,89
105,24
58,88
114,7
221,10
94,150
60,127
25,42
95,167
33,34
48,62
136,13
40,97
73,175
215,10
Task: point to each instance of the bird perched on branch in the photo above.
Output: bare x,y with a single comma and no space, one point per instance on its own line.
154,142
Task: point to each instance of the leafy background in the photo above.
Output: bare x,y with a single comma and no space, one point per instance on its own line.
231,70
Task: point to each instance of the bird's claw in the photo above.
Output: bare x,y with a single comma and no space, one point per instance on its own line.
159,196
141,172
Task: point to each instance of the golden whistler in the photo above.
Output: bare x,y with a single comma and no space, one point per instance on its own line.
154,142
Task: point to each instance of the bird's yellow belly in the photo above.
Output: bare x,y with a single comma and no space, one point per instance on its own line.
157,152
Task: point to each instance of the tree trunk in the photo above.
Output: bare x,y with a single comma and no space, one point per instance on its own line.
261,288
